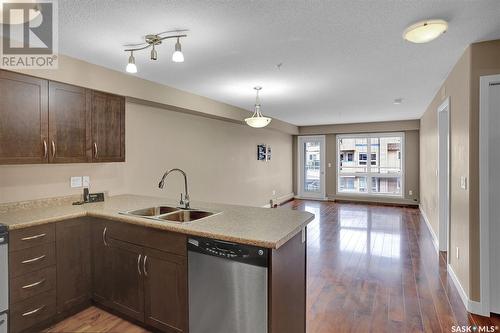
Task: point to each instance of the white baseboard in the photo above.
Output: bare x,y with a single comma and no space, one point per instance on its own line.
281,199
435,241
307,198
471,306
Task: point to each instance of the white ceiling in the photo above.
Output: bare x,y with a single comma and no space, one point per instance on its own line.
343,61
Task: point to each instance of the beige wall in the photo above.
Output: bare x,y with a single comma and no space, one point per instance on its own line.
218,156
166,128
462,87
410,128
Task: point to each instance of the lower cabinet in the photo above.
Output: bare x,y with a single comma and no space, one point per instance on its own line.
165,291
138,281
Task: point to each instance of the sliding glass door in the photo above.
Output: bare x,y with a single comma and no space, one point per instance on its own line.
370,164
311,167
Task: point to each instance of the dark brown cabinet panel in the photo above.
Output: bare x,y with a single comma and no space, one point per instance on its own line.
101,263
165,291
23,119
73,263
69,123
108,127
126,273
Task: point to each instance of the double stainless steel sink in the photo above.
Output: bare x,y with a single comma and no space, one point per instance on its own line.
171,214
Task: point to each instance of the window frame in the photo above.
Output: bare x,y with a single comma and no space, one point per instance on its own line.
368,174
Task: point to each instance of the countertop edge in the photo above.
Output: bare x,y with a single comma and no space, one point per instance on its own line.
172,228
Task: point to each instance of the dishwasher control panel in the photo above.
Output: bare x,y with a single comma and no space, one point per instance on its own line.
232,251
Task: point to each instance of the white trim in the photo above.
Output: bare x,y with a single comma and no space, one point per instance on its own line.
300,167
369,194
433,234
471,306
280,200
444,202
484,209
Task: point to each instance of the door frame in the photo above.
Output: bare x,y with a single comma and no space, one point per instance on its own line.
300,167
444,183
484,206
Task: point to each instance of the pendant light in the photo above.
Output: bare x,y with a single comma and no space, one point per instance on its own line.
257,120
131,67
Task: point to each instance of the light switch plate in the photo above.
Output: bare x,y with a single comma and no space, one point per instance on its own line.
86,181
76,182
463,182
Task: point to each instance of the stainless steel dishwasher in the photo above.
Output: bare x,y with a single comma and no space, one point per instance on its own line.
227,287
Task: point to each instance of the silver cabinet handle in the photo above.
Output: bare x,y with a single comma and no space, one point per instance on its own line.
139,264
104,236
32,312
53,149
33,237
45,149
28,286
96,151
29,261
144,263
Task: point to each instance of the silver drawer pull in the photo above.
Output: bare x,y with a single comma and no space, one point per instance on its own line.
33,284
33,237
29,261
32,312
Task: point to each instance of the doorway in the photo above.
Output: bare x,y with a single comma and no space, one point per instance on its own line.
443,114
489,192
311,168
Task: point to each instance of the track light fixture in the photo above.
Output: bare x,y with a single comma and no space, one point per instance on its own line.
152,41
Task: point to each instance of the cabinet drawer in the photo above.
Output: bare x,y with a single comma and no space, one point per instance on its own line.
33,236
32,259
32,311
32,284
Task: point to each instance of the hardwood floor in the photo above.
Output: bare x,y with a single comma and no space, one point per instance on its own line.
370,269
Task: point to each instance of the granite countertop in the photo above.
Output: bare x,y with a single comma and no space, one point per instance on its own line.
265,227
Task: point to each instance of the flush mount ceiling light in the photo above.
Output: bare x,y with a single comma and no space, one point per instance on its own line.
152,41
425,31
397,101
257,120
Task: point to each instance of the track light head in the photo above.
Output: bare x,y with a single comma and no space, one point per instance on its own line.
178,56
131,67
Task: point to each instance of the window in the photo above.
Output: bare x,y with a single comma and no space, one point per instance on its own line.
370,164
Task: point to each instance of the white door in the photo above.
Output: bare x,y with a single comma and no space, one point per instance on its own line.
311,168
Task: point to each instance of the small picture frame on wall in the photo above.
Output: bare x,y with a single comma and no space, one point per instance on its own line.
261,152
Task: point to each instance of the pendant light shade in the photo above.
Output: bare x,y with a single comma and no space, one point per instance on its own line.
257,120
131,67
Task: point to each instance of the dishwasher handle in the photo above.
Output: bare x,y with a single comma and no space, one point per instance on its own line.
247,254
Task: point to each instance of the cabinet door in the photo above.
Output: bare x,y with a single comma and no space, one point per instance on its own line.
101,263
23,119
73,263
126,274
69,123
165,291
108,128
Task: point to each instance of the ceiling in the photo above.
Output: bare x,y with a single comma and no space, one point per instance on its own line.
343,61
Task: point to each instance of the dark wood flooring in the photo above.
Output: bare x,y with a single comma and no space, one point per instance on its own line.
370,269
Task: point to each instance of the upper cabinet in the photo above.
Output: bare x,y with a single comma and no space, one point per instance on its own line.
108,127
50,122
69,123
23,119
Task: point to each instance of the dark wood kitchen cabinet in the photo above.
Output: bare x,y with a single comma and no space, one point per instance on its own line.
108,127
44,121
165,290
127,294
23,119
69,123
101,263
73,264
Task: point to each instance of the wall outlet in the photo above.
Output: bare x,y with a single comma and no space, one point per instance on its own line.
329,165
458,253
86,181
410,192
274,192
463,182
76,182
